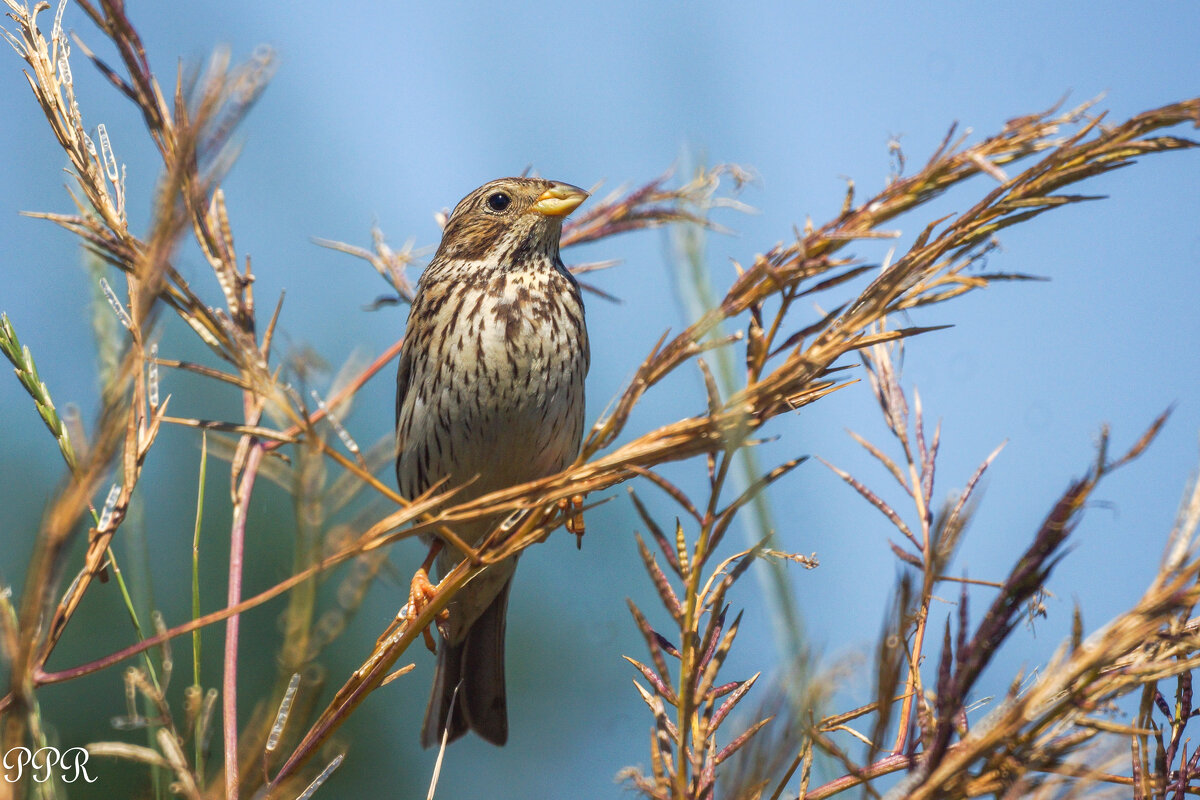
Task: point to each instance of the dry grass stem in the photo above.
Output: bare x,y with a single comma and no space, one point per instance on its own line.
787,357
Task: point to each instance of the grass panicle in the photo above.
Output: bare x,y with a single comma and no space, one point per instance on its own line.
762,351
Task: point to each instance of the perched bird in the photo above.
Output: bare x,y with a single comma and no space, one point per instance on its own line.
489,394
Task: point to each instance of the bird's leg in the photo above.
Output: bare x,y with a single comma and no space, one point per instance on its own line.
421,591
572,509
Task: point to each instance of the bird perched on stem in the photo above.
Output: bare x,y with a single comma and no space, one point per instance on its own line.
489,394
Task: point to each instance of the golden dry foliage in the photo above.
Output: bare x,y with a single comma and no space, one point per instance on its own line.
790,360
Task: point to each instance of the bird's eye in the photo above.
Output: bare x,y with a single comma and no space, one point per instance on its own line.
498,201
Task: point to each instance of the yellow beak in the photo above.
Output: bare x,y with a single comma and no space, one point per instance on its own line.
559,200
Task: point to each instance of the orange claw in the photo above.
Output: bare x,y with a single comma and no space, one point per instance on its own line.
572,509
420,592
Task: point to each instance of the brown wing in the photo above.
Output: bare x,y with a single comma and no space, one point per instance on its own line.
402,380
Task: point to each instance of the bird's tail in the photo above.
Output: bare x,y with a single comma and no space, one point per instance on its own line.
468,690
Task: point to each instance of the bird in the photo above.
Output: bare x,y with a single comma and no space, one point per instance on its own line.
489,394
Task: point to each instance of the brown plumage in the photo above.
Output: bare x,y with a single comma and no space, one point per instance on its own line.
490,392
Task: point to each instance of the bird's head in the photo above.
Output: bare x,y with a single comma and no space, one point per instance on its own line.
509,222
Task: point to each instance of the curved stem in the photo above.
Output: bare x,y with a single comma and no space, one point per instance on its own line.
237,542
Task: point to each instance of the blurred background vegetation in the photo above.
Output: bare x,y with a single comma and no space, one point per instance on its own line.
387,119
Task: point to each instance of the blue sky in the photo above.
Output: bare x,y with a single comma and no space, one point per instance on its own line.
388,113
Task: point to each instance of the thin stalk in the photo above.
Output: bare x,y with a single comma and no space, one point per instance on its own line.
237,543
697,293
691,624
133,616
196,599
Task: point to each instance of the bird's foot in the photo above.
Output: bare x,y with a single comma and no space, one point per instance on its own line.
420,592
572,509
